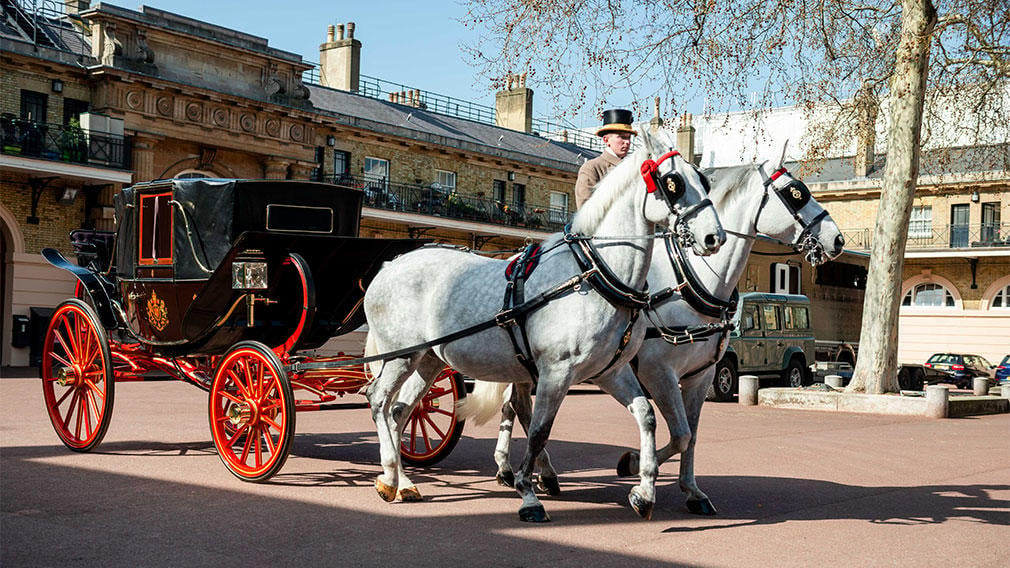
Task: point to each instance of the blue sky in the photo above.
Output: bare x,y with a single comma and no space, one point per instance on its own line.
416,43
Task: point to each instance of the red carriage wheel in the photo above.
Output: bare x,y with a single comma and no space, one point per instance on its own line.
252,411
76,373
432,431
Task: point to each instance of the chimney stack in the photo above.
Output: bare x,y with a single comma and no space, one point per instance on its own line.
657,121
513,107
75,7
866,131
685,137
340,59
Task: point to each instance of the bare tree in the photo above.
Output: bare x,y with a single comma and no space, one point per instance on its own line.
817,54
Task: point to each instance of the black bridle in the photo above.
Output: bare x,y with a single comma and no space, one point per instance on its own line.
795,196
670,188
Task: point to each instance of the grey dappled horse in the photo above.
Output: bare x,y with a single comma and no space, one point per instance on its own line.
581,332
749,201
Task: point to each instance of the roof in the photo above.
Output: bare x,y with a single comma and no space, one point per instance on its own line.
419,124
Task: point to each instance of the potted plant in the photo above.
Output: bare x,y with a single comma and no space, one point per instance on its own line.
73,145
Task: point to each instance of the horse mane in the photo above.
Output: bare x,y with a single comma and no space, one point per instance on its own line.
728,184
607,192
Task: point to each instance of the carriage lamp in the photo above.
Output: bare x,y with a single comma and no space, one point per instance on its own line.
248,275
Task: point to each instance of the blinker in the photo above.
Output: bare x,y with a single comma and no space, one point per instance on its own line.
794,195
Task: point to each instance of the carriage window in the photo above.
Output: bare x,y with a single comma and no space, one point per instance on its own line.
155,229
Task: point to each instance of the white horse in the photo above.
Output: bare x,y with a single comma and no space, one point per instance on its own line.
580,321
678,369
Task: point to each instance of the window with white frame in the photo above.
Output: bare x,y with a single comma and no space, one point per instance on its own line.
447,180
928,295
920,225
559,207
377,172
1001,301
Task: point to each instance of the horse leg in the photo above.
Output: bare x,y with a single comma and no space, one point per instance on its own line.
624,387
410,394
505,477
694,390
666,394
522,405
381,393
551,391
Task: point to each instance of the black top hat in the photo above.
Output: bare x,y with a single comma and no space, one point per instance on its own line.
616,120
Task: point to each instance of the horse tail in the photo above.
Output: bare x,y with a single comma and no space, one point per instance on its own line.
484,403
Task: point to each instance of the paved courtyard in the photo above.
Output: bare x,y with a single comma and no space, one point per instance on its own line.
793,488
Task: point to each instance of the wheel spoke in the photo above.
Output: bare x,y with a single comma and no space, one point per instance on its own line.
424,436
70,409
260,368
59,359
233,373
427,419
67,393
72,349
238,432
270,441
231,397
271,423
257,449
81,401
93,390
250,434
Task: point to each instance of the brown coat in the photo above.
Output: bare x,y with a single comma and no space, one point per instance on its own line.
590,174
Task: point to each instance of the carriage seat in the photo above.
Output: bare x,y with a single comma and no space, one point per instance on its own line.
93,248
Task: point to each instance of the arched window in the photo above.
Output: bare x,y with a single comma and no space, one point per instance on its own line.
1001,300
192,174
928,294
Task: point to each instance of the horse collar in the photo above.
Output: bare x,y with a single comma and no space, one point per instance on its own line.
601,277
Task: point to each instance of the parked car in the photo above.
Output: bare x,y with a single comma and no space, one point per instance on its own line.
958,368
1003,371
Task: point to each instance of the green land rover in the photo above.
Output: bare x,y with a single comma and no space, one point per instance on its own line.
773,340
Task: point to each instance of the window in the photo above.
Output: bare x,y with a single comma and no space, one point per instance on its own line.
1002,299
33,106
959,225
341,163
796,317
750,319
72,108
559,207
785,278
842,275
155,229
771,317
377,172
518,195
498,190
928,295
447,180
920,226
990,223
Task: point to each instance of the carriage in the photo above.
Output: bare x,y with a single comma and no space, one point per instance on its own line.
232,286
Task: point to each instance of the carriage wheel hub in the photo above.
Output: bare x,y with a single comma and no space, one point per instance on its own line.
243,413
67,376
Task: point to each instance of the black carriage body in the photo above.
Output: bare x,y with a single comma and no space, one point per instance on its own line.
178,242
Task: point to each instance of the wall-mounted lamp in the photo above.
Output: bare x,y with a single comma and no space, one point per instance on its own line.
974,196
512,176
331,140
57,86
67,195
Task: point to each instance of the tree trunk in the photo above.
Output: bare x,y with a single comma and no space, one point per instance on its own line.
877,366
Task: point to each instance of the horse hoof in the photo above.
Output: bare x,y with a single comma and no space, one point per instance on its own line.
506,479
549,485
410,495
640,504
628,464
701,507
534,514
387,492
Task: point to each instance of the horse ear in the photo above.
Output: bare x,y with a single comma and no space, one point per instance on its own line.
782,160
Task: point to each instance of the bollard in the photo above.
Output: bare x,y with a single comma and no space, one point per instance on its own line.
833,381
937,401
1004,391
748,390
980,386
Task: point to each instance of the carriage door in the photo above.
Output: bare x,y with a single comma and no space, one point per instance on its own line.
153,299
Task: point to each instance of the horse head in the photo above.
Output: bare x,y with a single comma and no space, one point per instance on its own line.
677,195
788,211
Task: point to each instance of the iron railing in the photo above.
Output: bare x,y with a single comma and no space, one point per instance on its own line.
46,24
61,142
399,93
380,193
949,236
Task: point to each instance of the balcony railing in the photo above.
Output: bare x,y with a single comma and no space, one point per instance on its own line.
949,236
381,89
61,142
411,198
